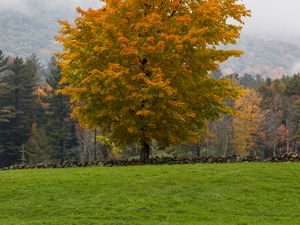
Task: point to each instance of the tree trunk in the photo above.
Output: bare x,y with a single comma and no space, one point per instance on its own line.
145,152
274,150
198,151
62,152
95,144
226,146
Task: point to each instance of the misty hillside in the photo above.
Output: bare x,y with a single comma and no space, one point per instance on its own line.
266,57
24,31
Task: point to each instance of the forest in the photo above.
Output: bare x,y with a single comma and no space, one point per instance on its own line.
36,123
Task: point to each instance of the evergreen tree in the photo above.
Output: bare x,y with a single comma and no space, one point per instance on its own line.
3,62
60,128
41,73
17,104
5,111
296,136
36,147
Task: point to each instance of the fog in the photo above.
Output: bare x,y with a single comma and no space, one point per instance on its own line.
29,7
273,19
24,4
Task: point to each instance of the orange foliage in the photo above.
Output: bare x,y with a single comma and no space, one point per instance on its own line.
140,68
247,123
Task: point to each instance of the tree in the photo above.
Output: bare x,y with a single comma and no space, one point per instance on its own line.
247,123
140,69
40,71
6,112
60,128
297,132
36,148
3,62
221,135
18,102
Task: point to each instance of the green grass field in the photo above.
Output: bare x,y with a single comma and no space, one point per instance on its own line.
237,194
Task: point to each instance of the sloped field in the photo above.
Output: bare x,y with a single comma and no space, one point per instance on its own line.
236,194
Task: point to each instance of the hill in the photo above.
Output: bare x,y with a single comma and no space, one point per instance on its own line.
266,57
23,35
32,30
29,26
145,195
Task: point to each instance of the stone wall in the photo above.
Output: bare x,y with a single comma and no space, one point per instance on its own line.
292,157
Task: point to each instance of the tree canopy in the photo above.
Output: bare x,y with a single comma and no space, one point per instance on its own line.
140,69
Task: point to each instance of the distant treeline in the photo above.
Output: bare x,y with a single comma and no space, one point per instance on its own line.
36,124
267,121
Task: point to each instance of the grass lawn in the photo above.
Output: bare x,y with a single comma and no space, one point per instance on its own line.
237,194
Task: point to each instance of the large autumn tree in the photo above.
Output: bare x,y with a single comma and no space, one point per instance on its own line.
139,69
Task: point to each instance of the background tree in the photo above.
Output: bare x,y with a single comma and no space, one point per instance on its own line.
3,62
19,101
247,123
221,132
5,111
139,69
60,128
296,136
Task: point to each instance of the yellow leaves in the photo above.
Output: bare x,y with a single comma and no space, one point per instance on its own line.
249,99
154,48
151,39
195,36
122,38
139,76
151,49
185,19
177,104
131,130
142,69
191,114
99,49
128,49
144,112
179,47
247,122
179,117
110,98
115,67
161,45
176,39
161,95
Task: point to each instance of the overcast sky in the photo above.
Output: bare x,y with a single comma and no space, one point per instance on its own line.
22,4
270,18
274,17
279,19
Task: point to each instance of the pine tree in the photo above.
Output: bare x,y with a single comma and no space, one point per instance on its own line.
17,100
297,131
36,148
60,128
41,73
3,62
6,112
